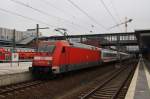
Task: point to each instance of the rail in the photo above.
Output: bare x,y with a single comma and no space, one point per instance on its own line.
103,90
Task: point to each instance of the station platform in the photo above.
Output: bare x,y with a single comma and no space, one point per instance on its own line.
12,73
15,67
140,85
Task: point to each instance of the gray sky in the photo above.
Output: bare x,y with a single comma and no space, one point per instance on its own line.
61,13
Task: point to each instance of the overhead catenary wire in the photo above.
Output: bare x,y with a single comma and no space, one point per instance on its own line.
25,17
115,10
109,12
85,13
60,10
45,13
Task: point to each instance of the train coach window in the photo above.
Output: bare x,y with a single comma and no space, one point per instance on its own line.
109,55
51,48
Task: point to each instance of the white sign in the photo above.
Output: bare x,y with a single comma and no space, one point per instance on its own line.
15,57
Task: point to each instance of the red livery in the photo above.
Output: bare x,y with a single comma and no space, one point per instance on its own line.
4,55
24,54
63,56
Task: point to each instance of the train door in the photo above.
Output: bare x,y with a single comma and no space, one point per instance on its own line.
64,60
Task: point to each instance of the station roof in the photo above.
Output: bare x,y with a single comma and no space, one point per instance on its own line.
143,37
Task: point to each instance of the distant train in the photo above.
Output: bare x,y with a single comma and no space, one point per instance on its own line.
24,53
64,56
4,55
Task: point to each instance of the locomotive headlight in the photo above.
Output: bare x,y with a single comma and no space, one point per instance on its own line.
42,58
37,58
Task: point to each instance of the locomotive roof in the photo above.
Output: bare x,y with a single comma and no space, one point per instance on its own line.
81,45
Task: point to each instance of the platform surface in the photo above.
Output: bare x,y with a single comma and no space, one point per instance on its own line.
140,85
11,68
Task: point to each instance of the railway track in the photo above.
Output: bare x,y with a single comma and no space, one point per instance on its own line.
53,89
50,88
114,86
5,90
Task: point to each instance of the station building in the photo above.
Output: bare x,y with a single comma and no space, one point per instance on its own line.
7,34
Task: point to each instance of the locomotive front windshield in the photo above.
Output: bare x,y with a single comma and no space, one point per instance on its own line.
47,48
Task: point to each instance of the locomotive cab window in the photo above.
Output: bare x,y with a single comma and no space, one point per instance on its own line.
47,48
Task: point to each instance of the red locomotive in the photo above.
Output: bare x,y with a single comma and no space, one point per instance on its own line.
63,56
